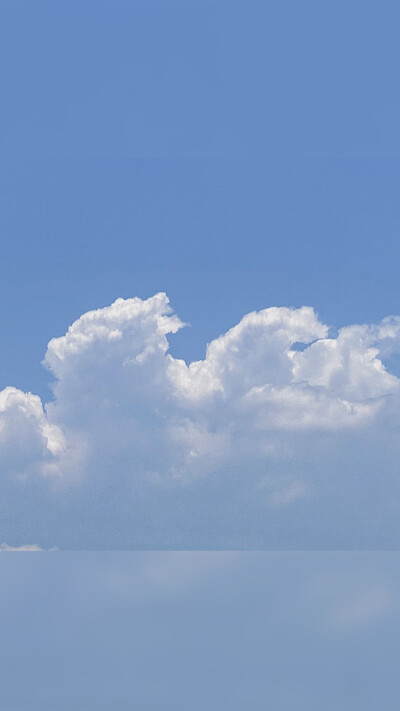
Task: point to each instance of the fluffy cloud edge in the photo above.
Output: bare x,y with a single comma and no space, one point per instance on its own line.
118,390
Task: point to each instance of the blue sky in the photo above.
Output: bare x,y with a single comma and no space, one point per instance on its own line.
121,133
221,237
236,156
199,79
172,631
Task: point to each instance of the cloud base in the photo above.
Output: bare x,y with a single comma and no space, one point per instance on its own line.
263,425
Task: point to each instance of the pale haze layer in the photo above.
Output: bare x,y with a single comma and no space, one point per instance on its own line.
284,436
166,631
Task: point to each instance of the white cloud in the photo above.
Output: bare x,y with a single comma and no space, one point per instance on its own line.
28,440
125,411
29,547
118,390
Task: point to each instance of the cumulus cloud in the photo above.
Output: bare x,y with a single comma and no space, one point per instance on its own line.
28,441
126,412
